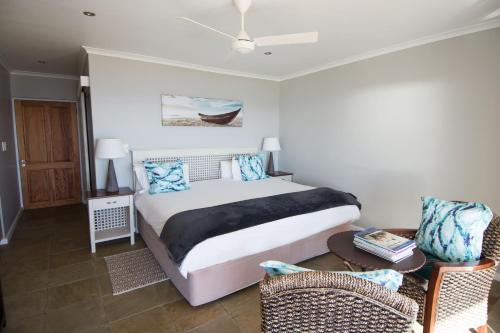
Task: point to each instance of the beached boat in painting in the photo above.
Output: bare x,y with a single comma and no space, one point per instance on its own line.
221,119
200,111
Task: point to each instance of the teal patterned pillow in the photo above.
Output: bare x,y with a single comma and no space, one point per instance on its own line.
165,177
453,231
277,268
384,277
252,167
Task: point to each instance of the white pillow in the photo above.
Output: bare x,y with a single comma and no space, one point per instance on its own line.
185,170
235,167
141,178
226,171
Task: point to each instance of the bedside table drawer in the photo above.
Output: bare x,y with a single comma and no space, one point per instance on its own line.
287,178
112,202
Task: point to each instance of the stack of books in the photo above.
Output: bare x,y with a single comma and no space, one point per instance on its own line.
384,244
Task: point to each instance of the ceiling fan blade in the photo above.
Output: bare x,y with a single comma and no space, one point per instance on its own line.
300,38
207,27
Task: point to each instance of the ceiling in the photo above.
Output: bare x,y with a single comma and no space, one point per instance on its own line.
55,30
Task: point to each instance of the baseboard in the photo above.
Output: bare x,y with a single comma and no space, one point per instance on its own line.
6,239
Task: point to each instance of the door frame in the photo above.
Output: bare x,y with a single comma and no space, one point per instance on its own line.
80,133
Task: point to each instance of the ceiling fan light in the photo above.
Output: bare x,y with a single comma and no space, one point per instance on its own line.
243,46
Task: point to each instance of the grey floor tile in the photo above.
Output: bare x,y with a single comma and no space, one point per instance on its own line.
75,318
152,321
52,283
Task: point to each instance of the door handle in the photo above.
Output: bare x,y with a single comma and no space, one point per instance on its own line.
23,163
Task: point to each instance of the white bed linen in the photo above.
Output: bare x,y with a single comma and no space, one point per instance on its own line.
157,209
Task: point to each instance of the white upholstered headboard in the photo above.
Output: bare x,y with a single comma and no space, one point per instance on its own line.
203,163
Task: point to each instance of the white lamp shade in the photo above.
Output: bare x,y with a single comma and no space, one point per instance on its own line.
109,149
271,144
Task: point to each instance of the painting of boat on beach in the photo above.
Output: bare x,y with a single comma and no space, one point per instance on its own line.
199,111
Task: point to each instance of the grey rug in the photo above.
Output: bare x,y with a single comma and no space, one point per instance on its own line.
133,270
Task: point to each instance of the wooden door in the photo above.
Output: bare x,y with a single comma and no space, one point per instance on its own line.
48,152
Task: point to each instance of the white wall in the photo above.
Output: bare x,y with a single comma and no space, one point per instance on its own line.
423,121
9,186
126,104
390,129
35,87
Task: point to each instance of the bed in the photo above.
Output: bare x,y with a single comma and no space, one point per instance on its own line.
229,262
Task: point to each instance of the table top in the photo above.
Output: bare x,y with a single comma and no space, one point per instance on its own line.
104,194
341,244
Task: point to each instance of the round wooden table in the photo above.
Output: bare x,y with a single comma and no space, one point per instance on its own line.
342,245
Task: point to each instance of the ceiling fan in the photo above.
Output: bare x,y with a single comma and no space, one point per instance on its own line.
242,42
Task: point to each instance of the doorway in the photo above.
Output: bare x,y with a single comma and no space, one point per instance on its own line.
49,156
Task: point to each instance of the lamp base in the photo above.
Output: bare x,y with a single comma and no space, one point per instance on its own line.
111,182
270,164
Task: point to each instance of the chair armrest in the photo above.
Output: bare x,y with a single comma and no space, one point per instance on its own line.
454,277
440,267
403,232
319,280
325,301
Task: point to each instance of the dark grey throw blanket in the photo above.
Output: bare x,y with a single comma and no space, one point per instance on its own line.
186,229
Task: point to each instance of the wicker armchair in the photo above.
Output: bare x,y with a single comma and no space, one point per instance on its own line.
456,295
332,302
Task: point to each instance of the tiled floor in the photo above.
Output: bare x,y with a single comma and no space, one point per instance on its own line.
52,283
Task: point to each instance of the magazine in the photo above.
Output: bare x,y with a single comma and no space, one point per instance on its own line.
388,255
384,240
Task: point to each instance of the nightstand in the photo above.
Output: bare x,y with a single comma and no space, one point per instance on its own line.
111,215
282,175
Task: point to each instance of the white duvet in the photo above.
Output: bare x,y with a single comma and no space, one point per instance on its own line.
157,209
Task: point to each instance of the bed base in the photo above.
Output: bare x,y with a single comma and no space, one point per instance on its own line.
211,283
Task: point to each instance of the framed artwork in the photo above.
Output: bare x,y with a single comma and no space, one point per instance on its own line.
200,111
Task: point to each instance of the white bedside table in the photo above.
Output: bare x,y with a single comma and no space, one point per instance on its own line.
111,215
282,175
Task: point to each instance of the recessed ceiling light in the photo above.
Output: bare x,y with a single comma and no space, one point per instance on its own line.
88,13
43,62
268,53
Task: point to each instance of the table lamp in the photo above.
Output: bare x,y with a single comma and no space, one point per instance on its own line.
110,149
270,145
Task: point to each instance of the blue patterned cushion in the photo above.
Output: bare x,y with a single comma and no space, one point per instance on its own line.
165,177
252,167
384,277
453,231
